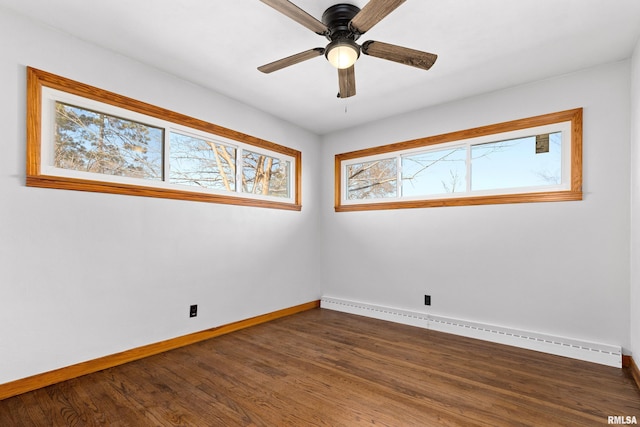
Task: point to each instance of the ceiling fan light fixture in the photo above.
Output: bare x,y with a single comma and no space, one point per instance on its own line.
343,24
342,53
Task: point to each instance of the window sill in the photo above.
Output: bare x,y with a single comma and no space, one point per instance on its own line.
556,196
44,181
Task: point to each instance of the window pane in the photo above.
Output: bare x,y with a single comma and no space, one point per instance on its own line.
372,180
201,163
523,162
265,175
89,141
434,172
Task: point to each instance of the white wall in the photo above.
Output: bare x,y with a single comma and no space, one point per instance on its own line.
635,207
553,268
84,275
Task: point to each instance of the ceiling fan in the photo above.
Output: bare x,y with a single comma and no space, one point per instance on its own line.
343,24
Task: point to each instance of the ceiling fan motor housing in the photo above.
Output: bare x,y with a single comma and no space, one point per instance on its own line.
337,19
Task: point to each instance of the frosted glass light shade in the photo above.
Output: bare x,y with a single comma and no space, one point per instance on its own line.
342,54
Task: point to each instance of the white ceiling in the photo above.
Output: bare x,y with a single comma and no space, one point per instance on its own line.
483,45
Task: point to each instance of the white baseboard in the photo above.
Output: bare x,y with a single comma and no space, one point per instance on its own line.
604,354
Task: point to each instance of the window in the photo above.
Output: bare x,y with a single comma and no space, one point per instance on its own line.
538,159
84,138
90,141
372,180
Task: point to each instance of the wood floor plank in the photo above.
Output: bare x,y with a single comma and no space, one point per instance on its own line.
315,396
396,366
508,360
19,411
325,368
474,375
318,385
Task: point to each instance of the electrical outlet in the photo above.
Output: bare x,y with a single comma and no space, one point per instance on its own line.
427,300
193,310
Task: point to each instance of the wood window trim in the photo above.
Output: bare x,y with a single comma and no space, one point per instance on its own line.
574,193
37,79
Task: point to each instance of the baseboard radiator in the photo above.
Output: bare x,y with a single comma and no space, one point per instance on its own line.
605,354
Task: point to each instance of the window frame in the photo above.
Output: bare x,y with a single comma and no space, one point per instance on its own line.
38,80
569,191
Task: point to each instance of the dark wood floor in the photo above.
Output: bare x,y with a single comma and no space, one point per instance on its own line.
333,369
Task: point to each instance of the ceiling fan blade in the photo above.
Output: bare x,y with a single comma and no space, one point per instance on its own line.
291,60
300,16
403,55
372,13
347,82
